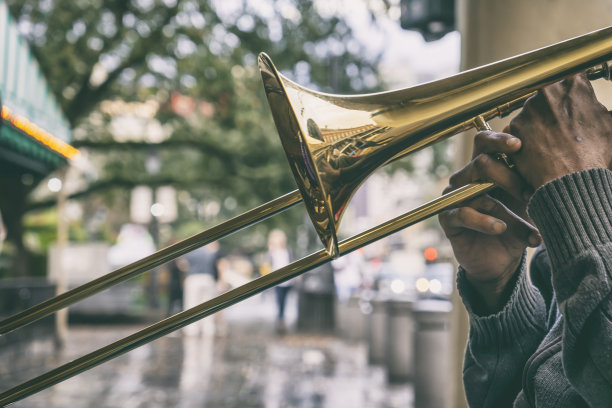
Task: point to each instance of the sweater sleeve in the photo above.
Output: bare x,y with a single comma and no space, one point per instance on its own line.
574,216
500,344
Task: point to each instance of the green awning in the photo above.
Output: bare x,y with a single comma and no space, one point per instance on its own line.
24,151
35,135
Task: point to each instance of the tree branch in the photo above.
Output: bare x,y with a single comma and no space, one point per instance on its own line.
122,183
201,145
87,97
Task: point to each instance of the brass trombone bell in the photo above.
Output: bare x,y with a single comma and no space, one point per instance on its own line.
333,143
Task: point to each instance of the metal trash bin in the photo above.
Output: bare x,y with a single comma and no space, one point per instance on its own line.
432,353
316,300
351,322
400,357
17,295
378,322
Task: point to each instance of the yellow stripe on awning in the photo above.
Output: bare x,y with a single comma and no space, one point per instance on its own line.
42,136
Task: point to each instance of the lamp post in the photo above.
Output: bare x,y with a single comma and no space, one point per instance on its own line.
153,167
56,185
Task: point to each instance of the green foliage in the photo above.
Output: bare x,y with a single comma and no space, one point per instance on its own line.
186,45
227,151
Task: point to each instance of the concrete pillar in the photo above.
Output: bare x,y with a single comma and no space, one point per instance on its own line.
378,323
495,29
400,351
351,322
62,241
431,354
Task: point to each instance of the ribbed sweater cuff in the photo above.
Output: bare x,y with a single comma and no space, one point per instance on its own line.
574,213
524,312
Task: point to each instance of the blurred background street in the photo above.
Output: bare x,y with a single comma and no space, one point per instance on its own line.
249,365
129,126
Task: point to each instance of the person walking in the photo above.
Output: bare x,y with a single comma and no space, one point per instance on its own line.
201,285
278,256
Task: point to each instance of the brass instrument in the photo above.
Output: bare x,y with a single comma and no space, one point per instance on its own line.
333,143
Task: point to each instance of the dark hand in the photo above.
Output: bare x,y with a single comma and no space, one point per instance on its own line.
489,237
563,129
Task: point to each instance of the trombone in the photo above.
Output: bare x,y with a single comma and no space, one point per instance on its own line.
333,143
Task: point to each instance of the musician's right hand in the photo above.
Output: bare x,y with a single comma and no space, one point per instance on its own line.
489,234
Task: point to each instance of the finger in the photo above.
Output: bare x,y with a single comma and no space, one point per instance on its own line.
485,168
456,220
517,227
580,79
582,76
532,105
495,142
488,216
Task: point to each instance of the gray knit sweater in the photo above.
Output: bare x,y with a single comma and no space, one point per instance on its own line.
551,345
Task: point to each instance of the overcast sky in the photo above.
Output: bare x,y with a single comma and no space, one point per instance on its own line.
407,58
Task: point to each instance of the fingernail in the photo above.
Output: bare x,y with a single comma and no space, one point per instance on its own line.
498,227
535,240
513,141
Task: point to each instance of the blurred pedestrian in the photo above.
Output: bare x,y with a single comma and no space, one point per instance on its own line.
201,285
278,256
177,269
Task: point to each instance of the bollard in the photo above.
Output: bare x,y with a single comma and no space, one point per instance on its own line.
351,322
316,300
17,295
399,356
432,354
378,329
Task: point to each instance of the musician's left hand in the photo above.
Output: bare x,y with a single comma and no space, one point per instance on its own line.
563,129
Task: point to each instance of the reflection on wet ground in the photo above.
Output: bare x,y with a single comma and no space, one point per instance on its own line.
248,366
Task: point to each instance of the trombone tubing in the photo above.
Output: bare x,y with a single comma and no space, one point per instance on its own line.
255,215
142,265
238,294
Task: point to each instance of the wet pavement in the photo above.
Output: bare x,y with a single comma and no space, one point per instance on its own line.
248,365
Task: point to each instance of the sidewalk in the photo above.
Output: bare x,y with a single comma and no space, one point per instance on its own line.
249,366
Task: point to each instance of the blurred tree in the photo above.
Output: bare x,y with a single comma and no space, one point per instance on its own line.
177,80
